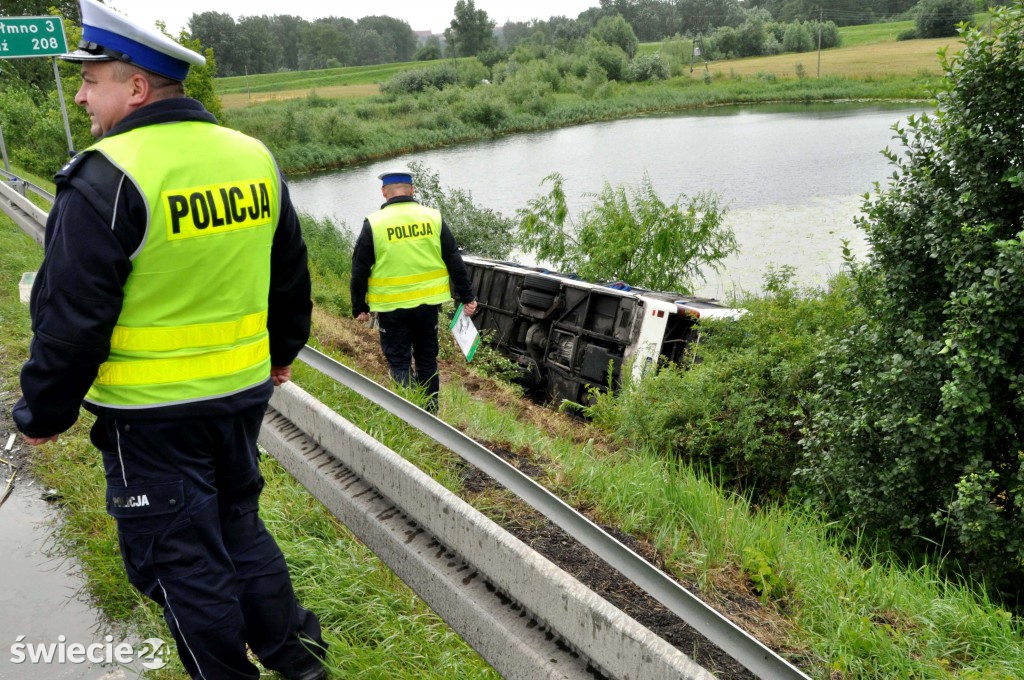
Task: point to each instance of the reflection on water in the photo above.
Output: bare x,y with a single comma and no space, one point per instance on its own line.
790,175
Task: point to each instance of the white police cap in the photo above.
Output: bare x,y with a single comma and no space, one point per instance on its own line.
400,177
109,35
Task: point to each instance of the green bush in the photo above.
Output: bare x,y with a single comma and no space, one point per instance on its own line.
940,18
798,38
472,72
480,231
418,80
483,108
736,402
916,431
611,59
614,30
647,67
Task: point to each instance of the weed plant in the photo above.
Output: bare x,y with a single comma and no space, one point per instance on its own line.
741,411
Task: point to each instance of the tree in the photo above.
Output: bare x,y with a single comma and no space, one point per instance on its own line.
940,18
324,45
371,48
616,31
216,31
916,431
471,31
396,34
199,82
288,31
258,48
700,16
480,231
430,50
633,237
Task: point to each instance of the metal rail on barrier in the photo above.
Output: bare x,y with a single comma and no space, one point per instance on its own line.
719,630
15,203
524,615
732,639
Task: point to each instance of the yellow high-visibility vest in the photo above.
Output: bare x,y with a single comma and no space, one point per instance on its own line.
194,321
408,270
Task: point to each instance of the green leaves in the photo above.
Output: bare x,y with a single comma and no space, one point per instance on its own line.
628,235
919,438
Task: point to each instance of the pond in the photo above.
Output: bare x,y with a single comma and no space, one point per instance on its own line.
791,176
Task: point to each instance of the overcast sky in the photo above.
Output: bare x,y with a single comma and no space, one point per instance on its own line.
433,15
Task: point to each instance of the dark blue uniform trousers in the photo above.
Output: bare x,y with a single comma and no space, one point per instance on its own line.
407,336
185,494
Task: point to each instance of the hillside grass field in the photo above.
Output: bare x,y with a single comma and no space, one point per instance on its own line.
867,52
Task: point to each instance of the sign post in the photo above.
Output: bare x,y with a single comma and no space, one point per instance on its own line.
23,37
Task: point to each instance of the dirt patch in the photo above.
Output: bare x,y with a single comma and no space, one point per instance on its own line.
581,563
731,594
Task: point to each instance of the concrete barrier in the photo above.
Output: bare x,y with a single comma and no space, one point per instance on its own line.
524,615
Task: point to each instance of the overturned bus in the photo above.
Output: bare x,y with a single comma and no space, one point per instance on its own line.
571,336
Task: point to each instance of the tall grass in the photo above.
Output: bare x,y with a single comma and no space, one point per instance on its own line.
852,611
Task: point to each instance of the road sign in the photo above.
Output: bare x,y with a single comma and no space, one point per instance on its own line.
31,37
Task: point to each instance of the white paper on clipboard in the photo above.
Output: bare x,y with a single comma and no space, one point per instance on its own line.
466,335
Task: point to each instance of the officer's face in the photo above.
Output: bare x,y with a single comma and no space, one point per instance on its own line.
103,96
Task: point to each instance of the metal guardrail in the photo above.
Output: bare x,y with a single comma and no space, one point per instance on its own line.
15,203
732,639
321,451
524,615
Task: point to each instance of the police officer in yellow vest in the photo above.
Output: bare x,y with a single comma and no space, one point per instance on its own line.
403,265
173,295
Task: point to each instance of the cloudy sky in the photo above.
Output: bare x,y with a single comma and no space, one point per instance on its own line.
433,15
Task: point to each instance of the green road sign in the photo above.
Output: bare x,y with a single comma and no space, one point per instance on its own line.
31,37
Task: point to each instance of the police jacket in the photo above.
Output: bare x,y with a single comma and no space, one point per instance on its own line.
364,257
97,224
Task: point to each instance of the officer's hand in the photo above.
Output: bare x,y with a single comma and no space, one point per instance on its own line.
36,441
280,374
363,316
469,308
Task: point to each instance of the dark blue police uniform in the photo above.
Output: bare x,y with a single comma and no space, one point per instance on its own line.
183,480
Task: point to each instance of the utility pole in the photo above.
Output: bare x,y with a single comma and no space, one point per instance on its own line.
821,20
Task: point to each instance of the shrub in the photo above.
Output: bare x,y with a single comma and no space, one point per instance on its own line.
830,36
916,431
647,67
907,34
472,72
595,82
420,79
610,58
484,109
614,30
798,38
428,52
940,18
480,231
737,407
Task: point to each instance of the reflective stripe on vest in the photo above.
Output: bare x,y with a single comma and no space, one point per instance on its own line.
408,270
193,325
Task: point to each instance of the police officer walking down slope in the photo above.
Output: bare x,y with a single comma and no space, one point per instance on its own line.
404,261
173,295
